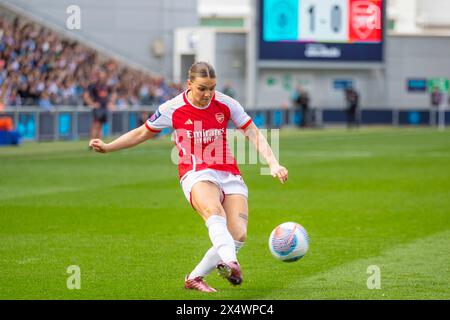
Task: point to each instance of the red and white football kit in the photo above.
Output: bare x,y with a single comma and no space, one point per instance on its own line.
200,135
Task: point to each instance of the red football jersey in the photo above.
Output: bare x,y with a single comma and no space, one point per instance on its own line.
200,134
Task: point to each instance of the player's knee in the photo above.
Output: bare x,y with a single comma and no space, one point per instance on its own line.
239,234
209,210
242,237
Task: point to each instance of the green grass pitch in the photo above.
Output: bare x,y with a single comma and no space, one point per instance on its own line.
367,197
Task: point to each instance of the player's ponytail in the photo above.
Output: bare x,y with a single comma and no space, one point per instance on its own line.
201,70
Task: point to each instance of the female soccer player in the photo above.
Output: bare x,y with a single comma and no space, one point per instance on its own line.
208,172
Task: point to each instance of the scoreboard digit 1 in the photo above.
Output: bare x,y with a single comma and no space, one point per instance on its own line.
323,21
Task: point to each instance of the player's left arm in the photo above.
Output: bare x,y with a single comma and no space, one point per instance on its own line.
260,142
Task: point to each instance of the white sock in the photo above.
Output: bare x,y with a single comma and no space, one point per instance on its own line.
210,261
221,238
238,245
207,265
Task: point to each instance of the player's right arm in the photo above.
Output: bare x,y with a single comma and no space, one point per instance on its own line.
158,121
127,140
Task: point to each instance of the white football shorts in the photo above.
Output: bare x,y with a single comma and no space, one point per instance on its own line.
227,182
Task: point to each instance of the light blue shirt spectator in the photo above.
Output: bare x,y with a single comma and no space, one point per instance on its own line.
45,103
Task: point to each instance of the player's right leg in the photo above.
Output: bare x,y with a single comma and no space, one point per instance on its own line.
197,283
206,196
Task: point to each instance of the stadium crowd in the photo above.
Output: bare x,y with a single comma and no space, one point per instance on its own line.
39,68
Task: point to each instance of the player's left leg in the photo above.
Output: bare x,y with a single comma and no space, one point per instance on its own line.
236,208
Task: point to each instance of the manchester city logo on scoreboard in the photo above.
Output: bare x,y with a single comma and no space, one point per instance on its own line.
281,22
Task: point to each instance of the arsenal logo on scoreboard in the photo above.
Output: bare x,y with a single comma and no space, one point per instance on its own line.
365,21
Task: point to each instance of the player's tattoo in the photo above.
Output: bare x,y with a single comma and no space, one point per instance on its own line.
243,216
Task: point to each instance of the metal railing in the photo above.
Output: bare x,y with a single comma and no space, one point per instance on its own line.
71,123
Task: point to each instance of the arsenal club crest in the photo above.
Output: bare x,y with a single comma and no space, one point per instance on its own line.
366,20
220,117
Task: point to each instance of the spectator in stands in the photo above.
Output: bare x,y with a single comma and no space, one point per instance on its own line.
436,97
44,102
436,101
34,59
301,102
352,100
144,93
100,97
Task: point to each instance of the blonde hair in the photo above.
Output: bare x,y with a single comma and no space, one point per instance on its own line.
201,70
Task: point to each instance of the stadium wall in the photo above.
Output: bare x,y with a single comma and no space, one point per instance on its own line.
414,57
225,49
406,58
231,61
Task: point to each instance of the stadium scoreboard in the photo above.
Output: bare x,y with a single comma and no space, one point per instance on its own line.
348,30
